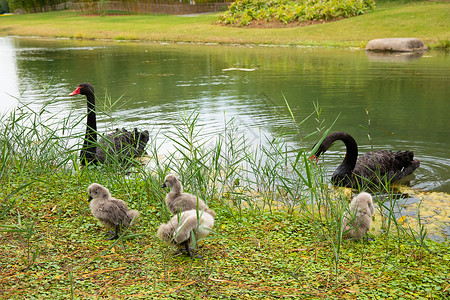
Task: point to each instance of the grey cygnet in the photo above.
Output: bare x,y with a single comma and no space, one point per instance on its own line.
113,213
178,231
358,219
177,201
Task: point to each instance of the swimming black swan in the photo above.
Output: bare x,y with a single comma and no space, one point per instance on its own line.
121,143
373,168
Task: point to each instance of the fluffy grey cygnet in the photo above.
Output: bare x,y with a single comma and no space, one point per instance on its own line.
177,201
358,219
113,213
178,231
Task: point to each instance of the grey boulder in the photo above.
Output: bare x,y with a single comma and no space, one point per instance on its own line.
396,45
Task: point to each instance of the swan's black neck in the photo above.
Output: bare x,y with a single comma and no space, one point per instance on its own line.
92,120
351,155
90,140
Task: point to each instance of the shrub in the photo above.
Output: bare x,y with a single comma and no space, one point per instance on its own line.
243,12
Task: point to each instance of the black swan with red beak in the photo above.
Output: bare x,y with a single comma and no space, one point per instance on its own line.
120,145
373,168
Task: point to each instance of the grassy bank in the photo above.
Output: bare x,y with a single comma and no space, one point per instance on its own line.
278,229
427,21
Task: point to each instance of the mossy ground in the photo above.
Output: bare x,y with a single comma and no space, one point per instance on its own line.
51,246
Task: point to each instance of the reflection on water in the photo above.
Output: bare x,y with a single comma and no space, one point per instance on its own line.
394,56
8,78
404,106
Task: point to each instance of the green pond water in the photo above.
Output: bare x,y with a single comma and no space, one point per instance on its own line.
403,100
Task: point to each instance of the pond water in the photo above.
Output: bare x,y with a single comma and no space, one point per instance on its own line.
405,98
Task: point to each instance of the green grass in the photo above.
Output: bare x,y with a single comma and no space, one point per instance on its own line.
277,231
427,21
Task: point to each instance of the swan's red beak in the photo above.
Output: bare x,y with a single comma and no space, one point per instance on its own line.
76,92
314,158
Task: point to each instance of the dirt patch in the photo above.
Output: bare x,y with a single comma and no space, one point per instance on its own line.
278,24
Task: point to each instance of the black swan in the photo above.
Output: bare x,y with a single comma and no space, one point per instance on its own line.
122,144
113,213
179,230
373,168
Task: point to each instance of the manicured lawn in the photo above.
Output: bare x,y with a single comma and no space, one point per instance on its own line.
424,20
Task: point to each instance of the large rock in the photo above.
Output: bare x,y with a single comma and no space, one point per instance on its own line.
396,45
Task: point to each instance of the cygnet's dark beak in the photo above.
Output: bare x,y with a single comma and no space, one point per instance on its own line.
90,198
164,185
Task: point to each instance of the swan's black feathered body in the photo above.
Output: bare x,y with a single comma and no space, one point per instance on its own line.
372,168
120,144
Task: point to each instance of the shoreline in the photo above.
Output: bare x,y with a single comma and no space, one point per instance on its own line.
161,42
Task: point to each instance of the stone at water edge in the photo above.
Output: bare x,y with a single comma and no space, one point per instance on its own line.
396,45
